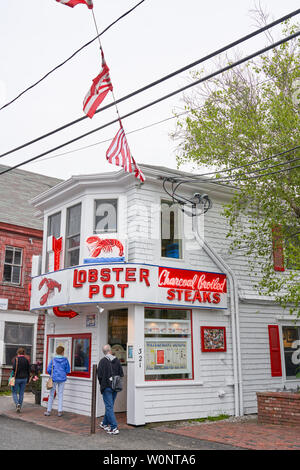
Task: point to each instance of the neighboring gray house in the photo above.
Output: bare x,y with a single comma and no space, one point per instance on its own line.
21,235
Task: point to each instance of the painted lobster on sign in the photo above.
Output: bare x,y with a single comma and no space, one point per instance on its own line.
96,245
51,285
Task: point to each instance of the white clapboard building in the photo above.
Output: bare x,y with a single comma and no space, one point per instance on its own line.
125,265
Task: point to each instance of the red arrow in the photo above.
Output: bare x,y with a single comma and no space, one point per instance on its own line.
64,313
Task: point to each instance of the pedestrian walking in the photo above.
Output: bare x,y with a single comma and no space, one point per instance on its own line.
109,370
58,368
21,372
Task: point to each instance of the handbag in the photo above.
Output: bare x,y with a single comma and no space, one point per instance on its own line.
116,381
49,383
12,378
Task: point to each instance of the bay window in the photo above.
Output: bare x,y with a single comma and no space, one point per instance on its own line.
73,235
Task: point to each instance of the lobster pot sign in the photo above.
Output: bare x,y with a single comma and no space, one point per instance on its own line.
103,250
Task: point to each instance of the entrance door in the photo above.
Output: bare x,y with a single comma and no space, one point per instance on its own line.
117,338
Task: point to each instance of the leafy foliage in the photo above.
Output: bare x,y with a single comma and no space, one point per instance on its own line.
250,114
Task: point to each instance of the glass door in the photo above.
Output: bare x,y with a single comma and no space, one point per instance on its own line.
117,338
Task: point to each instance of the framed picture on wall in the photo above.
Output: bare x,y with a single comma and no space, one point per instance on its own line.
213,338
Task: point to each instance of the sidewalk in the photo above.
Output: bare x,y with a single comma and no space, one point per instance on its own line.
70,422
243,432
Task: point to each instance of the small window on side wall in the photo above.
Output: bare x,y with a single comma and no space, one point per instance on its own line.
106,216
171,230
12,269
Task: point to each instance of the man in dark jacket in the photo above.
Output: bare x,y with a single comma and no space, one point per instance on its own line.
109,366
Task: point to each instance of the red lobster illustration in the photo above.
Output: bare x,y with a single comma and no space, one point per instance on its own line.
96,245
51,285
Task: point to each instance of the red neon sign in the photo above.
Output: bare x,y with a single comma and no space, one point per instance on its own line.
192,280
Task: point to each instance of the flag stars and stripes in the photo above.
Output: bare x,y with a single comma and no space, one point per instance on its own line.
119,154
73,3
98,91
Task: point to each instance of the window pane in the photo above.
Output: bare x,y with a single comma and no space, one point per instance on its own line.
117,333
106,216
11,333
73,258
9,254
73,220
11,353
73,242
168,348
16,275
291,343
171,243
81,355
54,225
7,273
18,257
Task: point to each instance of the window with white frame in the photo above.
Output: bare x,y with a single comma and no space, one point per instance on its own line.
53,229
17,335
77,349
168,344
171,230
291,345
12,269
105,219
73,235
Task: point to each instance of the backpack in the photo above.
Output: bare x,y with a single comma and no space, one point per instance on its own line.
116,381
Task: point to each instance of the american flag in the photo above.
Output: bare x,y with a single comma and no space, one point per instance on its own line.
119,154
98,91
73,3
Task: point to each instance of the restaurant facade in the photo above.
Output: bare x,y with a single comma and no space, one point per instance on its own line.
125,265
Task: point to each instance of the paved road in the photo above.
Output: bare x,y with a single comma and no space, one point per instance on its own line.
20,435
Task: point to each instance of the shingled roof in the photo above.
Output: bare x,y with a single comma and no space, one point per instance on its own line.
17,188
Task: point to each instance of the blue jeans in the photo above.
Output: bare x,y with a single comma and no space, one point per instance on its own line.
60,393
19,388
109,398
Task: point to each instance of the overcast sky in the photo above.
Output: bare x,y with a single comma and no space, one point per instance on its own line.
159,37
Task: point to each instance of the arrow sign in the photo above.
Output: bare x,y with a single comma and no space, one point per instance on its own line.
64,313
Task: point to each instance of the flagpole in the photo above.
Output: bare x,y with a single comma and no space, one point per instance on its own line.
113,95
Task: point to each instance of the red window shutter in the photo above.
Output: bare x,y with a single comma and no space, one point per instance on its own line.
278,256
275,354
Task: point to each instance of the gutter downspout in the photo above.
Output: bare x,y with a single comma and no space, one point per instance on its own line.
234,309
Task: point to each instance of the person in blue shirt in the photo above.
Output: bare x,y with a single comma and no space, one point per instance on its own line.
58,368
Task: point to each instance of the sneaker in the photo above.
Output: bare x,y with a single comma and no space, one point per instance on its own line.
104,426
47,413
59,414
18,408
113,431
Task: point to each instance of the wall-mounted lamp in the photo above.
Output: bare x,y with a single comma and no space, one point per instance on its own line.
100,309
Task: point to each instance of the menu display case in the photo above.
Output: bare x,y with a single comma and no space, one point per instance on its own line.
167,345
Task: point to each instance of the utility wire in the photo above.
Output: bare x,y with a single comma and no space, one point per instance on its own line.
71,57
156,82
165,120
195,177
169,95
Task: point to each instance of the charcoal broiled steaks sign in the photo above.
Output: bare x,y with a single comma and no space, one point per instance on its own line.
129,283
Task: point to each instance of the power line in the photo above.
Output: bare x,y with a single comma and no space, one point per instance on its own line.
257,176
195,177
71,57
224,69
165,120
156,82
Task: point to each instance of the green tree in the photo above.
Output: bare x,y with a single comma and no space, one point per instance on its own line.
249,114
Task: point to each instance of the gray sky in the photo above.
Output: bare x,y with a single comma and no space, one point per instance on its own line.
159,37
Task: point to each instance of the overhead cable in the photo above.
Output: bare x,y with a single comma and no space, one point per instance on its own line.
169,95
157,82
